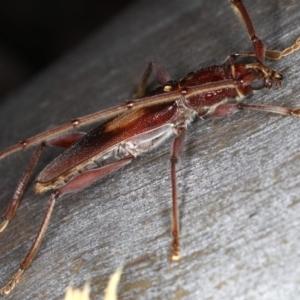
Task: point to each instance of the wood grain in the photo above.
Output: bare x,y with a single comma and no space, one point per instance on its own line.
239,178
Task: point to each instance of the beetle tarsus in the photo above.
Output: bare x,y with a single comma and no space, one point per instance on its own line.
175,248
3,225
11,284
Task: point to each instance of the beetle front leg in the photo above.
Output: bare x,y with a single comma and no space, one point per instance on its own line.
175,229
228,109
286,111
62,141
161,75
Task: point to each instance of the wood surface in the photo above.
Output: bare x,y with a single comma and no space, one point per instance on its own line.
239,178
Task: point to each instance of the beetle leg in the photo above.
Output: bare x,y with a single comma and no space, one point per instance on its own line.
224,110
81,181
286,111
161,75
34,248
62,141
88,177
228,109
175,229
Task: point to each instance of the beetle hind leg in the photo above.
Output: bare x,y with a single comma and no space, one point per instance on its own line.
65,141
89,177
81,181
34,248
15,201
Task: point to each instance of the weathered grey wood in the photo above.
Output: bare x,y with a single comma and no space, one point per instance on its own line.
239,178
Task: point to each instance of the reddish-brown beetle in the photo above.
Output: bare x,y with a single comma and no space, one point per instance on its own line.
139,126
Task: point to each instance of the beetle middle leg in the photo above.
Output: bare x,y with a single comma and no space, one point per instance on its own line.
64,141
161,75
176,148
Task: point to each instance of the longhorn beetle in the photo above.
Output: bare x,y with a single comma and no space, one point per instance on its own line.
140,125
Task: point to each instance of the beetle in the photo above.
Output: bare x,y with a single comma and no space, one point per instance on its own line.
139,126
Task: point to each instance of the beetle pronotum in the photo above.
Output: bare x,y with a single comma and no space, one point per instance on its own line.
139,126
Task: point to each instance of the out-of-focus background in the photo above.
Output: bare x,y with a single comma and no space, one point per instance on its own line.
34,33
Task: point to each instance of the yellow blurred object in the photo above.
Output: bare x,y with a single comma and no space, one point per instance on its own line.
78,294
112,286
83,294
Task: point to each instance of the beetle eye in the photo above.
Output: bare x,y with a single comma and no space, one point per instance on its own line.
258,85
